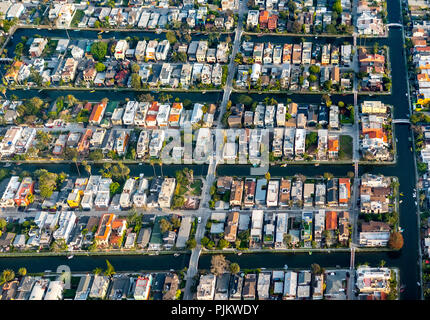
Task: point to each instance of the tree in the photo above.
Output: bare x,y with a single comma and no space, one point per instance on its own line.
222,243
88,169
22,271
314,69
219,264
97,271
337,7
191,244
327,87
59,245
328,175
234,268
244,99
176,222
165,225
316,269
114,188
395,241
99,50
312,78
96,155
331,29
135,68
3,223
100,67
136,82
170,36
297,27
119,172
47,182
287,239
110,270
7,275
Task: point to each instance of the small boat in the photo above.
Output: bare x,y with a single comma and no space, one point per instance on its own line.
176,254
70,257
415,203
107,31
418,284
239,253
92,91
100,32
310,252
40,90
401,229
401,193
400,201
317,164
285,266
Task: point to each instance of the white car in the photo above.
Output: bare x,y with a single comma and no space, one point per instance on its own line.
199,219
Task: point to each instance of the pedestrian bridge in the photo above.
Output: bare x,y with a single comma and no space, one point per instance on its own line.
402,121
395,25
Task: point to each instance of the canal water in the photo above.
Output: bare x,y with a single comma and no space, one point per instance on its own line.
406,259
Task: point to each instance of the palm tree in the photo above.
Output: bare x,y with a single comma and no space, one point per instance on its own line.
161,167
3,91
22,271
6,276
76,164
152,161
97,271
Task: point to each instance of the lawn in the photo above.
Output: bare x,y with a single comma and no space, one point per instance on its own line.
345,149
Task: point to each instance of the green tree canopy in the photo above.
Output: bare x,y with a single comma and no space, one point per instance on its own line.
99,50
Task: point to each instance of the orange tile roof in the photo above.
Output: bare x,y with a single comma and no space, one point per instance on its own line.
333,145
264,16
331,220
97,112
173,117
154,106
423,77
107,225
117,223
347,183
177,106
376,134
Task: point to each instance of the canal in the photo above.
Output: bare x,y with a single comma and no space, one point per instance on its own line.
406,259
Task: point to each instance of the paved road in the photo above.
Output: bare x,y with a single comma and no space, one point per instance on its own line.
231,66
